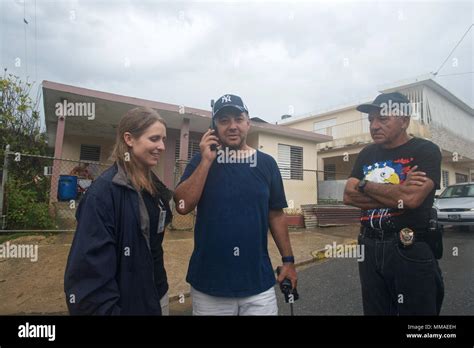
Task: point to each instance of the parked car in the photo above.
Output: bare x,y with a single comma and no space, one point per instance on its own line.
455,205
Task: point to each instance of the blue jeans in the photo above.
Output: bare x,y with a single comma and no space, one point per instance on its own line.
399,281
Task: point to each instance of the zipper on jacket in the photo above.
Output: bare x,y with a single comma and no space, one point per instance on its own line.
148,244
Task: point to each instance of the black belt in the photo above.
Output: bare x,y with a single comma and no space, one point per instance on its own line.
387,235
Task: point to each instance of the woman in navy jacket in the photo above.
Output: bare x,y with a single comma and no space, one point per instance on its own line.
115,265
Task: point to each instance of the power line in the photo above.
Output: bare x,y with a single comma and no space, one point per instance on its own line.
26,42
463,73
36,50
2,36
449,55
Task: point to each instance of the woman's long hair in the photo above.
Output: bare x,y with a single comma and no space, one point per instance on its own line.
136,122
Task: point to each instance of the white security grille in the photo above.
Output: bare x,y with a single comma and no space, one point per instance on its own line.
290,161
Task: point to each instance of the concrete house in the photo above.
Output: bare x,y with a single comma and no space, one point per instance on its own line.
91,138
439,116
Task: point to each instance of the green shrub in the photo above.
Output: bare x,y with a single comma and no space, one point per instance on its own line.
24,211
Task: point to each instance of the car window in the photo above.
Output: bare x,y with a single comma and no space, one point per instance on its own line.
470,191
458,191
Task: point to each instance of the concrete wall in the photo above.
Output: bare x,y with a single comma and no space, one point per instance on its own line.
449,141
343,168
252,140
331,189
337,156
298,191
72,146
72,150
453,168
451,127
166,166
341,117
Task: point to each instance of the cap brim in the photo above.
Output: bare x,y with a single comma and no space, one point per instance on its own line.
229,107
367,108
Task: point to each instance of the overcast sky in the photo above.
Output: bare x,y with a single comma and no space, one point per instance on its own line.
279,56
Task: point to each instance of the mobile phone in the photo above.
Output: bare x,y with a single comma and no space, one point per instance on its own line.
213,124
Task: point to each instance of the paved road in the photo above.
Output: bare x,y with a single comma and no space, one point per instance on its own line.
331,287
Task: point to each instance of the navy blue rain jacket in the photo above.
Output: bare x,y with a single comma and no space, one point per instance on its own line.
110,267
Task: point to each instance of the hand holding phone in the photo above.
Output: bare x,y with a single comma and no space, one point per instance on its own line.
213,128
213,125
207,140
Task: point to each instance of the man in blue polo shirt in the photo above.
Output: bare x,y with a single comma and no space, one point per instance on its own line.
239,195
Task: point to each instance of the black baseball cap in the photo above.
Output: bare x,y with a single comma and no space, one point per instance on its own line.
386,99
229,101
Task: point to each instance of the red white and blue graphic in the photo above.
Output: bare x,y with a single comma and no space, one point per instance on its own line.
392,172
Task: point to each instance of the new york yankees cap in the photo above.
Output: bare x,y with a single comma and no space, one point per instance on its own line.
229,101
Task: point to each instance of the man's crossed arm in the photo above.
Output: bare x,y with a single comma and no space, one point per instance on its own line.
353,197
409,195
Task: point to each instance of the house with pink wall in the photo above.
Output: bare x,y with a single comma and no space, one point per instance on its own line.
77,135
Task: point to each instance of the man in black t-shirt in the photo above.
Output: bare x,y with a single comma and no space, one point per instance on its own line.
394,182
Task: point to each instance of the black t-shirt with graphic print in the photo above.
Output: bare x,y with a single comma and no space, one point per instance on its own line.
390,166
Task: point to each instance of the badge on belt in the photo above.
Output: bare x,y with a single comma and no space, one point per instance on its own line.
406,236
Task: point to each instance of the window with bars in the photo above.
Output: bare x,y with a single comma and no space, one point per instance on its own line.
445,178
90,153
330,171
193,148
290,162
460,178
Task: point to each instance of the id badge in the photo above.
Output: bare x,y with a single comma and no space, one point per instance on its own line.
161,222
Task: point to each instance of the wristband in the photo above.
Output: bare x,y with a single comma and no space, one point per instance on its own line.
287,259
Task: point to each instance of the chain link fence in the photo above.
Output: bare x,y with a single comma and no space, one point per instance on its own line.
181,222
315,198
331,186
310,186
41,193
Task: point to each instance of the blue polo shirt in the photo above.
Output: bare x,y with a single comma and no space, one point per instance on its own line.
230,257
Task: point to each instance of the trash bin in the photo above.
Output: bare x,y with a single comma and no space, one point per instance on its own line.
67,187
